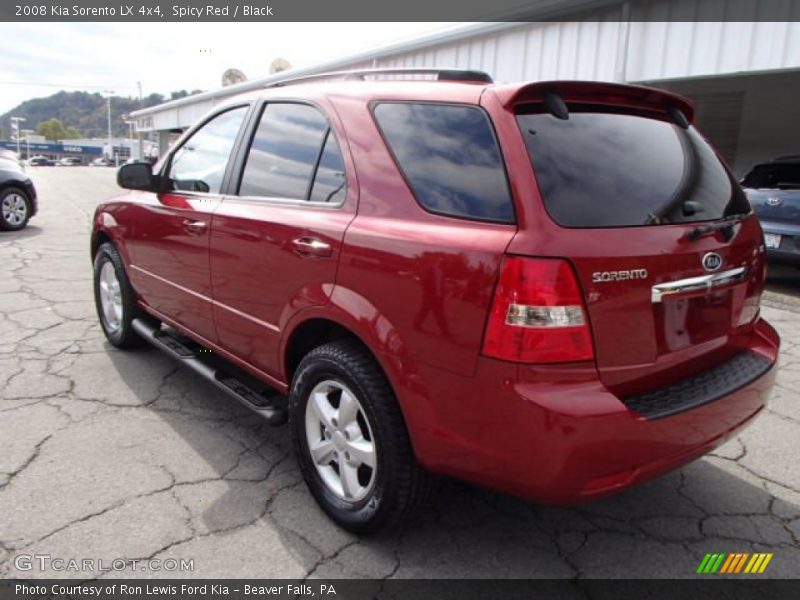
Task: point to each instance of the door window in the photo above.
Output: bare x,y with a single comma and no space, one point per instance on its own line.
294,155
199,164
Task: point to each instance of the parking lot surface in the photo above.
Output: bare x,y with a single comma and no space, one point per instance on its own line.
110,455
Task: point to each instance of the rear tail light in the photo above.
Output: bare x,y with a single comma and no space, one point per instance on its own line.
537,314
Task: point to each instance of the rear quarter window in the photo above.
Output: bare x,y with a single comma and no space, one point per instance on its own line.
449,156
612,169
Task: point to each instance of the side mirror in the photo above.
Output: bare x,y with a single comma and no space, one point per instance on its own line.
137,176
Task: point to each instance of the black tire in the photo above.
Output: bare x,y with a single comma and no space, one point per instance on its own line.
400,484
123,336
5,223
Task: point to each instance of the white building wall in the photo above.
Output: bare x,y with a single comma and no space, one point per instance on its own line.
679,50
604,45
588,50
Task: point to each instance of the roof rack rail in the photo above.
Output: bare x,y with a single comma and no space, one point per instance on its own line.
362,74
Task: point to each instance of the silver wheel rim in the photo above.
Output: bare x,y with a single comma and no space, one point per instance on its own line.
110,297
340,441
15,209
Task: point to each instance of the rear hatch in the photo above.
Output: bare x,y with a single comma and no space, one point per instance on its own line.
661,237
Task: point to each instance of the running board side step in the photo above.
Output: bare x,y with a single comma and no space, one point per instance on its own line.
272,407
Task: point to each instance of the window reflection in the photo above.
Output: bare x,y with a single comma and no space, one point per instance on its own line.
284,152
604,170
450,158
329,182
199,164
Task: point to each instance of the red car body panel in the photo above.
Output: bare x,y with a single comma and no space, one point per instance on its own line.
416,289
251,312
168,242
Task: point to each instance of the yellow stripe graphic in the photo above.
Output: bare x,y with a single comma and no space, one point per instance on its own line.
734,563
765,563
753,562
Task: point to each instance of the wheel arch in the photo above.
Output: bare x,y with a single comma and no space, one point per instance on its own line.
98,239
16,184
319,325
312,333
106,229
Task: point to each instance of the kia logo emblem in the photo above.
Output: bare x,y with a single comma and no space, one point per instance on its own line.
773,201
712,261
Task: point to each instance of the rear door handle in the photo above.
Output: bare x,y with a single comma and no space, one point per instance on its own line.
194,227
312,247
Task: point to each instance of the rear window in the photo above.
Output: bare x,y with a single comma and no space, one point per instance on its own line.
610,169
450,158
774,177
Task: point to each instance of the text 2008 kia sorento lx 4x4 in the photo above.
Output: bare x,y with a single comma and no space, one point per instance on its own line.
551,289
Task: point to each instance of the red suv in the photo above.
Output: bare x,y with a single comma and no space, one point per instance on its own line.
551,289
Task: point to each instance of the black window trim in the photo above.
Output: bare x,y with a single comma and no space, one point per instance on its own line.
373,104
313,179
243,152
189,133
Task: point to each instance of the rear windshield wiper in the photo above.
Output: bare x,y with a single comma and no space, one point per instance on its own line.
725,225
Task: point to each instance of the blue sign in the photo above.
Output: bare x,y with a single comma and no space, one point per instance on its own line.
53,148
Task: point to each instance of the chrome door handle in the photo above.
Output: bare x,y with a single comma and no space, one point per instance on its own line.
195,227
694,284
312,247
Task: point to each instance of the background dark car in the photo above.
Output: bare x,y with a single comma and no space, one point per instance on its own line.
773,189
17,197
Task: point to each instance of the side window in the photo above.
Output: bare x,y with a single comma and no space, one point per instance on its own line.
329,182
199,164
450,158
294,155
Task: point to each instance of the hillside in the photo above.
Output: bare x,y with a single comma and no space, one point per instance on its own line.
83,111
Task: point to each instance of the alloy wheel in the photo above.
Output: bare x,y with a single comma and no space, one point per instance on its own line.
110,297
340,441
15,209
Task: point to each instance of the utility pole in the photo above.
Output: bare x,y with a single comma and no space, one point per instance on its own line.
139,133
110,141
28,133
15,121
129,143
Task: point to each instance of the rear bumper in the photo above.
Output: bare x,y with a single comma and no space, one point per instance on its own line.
563,438
789,250
786,257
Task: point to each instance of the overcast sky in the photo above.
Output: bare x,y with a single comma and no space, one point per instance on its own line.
167,56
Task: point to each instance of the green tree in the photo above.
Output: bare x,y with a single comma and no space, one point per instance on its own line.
53,129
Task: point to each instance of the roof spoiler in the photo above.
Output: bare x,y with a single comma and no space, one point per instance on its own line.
592,92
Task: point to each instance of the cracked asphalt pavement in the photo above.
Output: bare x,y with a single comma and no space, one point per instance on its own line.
123,455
